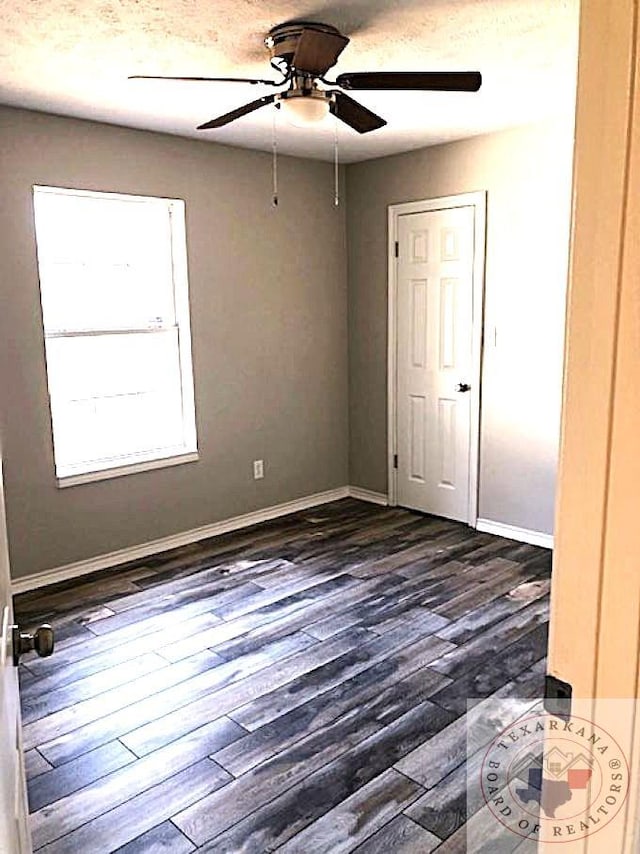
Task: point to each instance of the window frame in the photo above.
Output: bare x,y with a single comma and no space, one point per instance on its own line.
134,462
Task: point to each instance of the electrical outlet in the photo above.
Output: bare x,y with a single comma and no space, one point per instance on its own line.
258,469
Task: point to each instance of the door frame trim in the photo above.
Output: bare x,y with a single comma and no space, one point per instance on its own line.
477,200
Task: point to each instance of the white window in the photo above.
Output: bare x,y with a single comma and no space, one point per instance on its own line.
113,285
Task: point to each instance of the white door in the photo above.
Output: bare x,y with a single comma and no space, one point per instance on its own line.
14,833
434,360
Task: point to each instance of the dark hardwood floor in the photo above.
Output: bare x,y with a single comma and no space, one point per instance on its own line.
299,686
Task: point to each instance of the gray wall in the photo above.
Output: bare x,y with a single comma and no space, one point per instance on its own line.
269,326
527,173
268,312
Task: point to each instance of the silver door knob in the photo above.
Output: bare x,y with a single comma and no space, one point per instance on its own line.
42,641
463,387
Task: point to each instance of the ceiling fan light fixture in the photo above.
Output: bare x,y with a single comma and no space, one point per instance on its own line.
302,110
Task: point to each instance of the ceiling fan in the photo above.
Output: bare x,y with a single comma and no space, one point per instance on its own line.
302,52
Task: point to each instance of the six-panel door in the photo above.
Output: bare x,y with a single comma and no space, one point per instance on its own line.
434,360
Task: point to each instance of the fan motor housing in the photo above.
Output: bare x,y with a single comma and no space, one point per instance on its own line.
282,41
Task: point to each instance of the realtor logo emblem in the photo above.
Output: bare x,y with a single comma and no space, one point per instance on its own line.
554,779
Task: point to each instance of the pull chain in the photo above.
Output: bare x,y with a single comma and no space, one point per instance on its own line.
336,187
274,149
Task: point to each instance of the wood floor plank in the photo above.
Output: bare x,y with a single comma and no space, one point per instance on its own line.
132,571
67,675
226,575
106,833
481,579
32,609
435,593
488,835
373,689
38,704
432,761
298,691
99,612
306,582
340,829
485,616
476,650
291,571
99,654
445,808
220,551
495,671
348,639
214,595
165,838
90,643
68,813
332,625
255,542
238,692
389,597
417,618
86,711
196,678
267,613
337,604
396,561
74,775
25,676
504,580
283,816
492,547
435,759
122,627
321,748
35,764
442,765
399,836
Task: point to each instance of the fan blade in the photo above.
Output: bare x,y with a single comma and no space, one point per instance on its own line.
236,114
316,52
354,114
204,79
435,81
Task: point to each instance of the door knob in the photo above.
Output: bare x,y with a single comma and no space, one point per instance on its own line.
42,641
463,387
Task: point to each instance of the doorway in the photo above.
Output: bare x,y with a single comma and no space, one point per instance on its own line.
436,282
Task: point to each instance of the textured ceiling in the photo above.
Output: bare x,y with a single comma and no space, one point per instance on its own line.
72,57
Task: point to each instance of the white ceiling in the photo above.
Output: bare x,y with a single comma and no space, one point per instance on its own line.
72,57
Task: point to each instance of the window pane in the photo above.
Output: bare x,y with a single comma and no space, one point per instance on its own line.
104,263
110,267
114,395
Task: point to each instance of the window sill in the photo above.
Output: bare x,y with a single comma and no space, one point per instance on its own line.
129,468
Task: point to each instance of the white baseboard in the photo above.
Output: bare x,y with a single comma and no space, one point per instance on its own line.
523,535
104,561
368,495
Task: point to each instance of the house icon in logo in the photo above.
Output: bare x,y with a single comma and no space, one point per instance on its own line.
556,762
575,766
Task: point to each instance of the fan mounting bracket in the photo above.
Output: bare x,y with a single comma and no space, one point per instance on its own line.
282,40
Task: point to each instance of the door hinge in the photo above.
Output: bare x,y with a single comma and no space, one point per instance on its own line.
397,249
395,461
